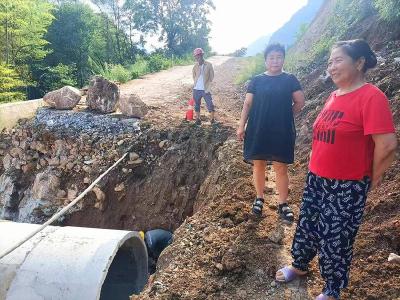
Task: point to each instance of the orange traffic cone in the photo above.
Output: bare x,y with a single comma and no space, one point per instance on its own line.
189,112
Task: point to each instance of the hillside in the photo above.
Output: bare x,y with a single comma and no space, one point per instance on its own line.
372,276
258,45
287,34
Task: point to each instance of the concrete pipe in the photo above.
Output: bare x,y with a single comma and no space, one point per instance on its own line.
71,263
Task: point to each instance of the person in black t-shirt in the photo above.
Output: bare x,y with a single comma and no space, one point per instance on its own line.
271,100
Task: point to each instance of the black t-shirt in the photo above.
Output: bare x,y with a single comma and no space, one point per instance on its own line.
270,131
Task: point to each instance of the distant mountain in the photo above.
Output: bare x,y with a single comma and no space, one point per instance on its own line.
258,45
287,33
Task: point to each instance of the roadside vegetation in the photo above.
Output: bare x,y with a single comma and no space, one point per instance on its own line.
46,44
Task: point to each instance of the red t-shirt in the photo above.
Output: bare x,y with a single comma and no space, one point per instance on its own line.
342,143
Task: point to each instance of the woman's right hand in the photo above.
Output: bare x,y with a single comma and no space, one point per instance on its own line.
243,116
240,133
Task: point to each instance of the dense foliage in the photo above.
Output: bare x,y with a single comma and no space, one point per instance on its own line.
388,9
46,44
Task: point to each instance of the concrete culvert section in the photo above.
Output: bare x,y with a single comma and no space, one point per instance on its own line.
71,263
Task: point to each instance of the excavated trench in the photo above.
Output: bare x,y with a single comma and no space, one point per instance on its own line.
45,165
157,196
161,194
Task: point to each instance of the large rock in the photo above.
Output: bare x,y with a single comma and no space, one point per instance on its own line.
9,196
33,210
46,186
64,98
102,95
132,106
40,202
8,161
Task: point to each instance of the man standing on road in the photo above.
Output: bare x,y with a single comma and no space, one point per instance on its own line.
203,74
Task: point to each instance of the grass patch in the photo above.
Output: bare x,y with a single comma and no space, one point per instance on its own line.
142,66
254,65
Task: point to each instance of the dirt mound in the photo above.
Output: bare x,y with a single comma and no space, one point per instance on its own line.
53,156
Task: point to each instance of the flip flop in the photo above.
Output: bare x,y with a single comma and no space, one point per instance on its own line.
288,273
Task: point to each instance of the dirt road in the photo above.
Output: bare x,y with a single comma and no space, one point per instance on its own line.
168,91
164,87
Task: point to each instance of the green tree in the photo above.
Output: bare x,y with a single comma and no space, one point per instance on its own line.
139,20
119,28
74,38
10,84
23,24
184,24
50,78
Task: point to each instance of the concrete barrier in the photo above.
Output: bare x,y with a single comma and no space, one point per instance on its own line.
71,263
10,113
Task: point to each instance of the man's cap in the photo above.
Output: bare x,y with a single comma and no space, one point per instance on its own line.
198,51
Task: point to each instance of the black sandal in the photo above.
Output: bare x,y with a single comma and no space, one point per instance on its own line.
258,206
285,212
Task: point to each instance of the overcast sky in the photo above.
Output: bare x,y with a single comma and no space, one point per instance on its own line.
237,23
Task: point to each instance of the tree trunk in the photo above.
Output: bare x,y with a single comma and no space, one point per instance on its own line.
7,38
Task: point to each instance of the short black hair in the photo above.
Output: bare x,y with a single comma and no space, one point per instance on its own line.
356,49
274,47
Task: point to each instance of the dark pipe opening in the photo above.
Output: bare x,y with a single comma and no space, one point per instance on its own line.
126,275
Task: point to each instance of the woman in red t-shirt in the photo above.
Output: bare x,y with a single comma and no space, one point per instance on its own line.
353,145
